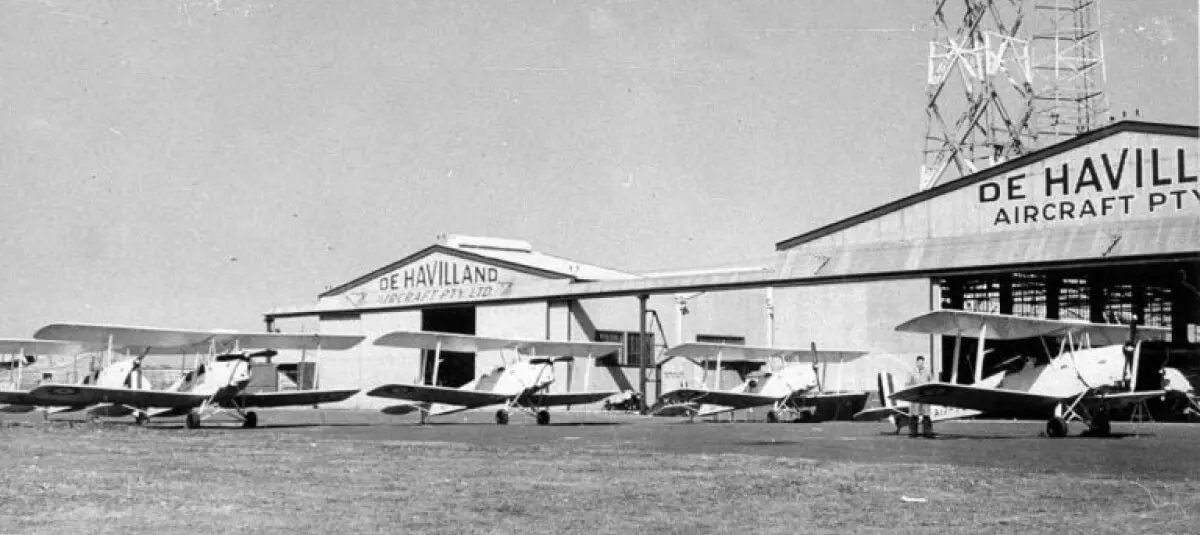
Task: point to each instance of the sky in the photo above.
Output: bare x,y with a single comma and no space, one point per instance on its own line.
194,164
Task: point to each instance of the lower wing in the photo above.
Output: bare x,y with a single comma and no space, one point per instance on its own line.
77,395
977,398
937,413
571,398
879,413
438,394
1120,400
284,399
731,400
16,397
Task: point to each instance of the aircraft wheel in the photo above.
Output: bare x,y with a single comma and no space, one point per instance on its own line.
804,417
141,418
251,420
192,421
1101,425
502,417
1056,427
543,417
772,417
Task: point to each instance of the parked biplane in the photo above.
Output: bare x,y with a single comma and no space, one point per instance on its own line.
793,386
520,383
215,386
1095,370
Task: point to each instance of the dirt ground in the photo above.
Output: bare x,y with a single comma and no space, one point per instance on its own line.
307,471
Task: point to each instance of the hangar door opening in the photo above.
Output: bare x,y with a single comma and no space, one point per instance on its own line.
455,369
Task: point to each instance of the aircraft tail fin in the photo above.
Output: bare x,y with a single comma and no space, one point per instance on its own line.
886,389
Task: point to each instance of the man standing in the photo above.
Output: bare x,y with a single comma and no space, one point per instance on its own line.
918,413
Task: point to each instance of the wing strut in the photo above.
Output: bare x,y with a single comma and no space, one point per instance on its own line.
957,354
979,354
437,361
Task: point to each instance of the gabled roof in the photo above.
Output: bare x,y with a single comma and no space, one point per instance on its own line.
553,264
524,260
991,172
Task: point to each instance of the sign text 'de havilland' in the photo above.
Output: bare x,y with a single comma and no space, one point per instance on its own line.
435,281
1114,184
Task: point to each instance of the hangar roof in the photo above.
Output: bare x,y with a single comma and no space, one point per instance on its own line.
990,173
512,254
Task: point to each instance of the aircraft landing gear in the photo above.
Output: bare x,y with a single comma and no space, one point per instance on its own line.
192,421
1056,427
543,417
772,417
141,418
251,420
502,417
805,417
1101,425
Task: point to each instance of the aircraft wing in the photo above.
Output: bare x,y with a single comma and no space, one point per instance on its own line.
16,397
1122,399
431,340
439,394
38,347
284,399
977,398
1009,327
733,400
940,414
122,336
879,413
77,395
297,341
704,351
573,398
188,339
558,348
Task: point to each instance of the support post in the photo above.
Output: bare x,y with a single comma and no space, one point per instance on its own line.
642,349
1053,295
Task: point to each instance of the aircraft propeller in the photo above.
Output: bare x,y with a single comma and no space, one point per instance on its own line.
245,357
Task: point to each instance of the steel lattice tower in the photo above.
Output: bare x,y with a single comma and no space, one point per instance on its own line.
1069,69
998,87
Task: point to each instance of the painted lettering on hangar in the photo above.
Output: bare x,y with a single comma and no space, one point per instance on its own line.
438,278
1118,183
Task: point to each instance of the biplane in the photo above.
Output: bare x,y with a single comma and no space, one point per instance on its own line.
521,383
216,386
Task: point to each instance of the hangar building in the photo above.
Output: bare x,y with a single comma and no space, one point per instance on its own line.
1100,227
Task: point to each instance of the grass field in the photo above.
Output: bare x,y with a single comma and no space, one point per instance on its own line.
362,474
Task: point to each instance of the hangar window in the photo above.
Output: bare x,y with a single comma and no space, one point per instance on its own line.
631,348
721,339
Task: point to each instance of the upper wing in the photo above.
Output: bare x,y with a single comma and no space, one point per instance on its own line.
90,395
283,399
572,398
122,336
1009,327
558,348
733,400
38,347
703,351
188,339
977,398
439,394
467,343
